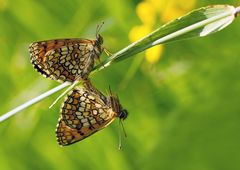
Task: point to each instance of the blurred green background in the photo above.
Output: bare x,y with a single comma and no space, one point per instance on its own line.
184,110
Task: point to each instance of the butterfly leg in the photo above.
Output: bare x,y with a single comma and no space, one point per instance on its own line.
65,92
100,62
109,54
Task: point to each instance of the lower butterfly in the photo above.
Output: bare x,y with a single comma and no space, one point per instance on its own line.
86,111
66,59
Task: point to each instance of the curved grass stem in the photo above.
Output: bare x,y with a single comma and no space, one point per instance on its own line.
33,101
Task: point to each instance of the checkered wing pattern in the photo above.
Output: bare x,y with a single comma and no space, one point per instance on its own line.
66,135
63,59
83,113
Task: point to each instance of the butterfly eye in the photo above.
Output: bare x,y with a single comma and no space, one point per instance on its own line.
123,114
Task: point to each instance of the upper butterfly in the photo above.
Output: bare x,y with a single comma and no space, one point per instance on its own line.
66,59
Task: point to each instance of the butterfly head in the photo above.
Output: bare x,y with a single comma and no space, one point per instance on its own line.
116,106
123,114
99,40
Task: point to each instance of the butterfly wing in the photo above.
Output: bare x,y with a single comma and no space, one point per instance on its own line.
66,135
83,113
63,59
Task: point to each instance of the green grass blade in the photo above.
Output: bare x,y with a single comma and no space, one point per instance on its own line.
198,23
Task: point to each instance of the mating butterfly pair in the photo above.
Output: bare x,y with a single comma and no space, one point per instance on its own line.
85,110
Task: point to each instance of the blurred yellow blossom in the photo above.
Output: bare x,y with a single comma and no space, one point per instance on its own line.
138,32
146,12
149,11
174,9
157,4
153,54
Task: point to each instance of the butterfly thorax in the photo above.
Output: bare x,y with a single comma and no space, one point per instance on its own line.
98,49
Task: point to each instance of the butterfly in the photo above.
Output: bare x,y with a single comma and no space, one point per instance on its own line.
86,111
66,59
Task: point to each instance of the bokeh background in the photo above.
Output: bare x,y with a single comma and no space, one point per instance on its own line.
183,98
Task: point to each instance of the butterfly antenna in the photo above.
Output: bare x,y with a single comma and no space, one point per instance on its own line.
65,92
119,136
99,26
124,132
120,124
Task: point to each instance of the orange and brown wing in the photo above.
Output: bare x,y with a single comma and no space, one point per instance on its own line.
85,113
66,135
64,59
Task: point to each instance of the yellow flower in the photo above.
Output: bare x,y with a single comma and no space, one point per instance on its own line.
138,32
146,12
157,4
174,9
153,54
